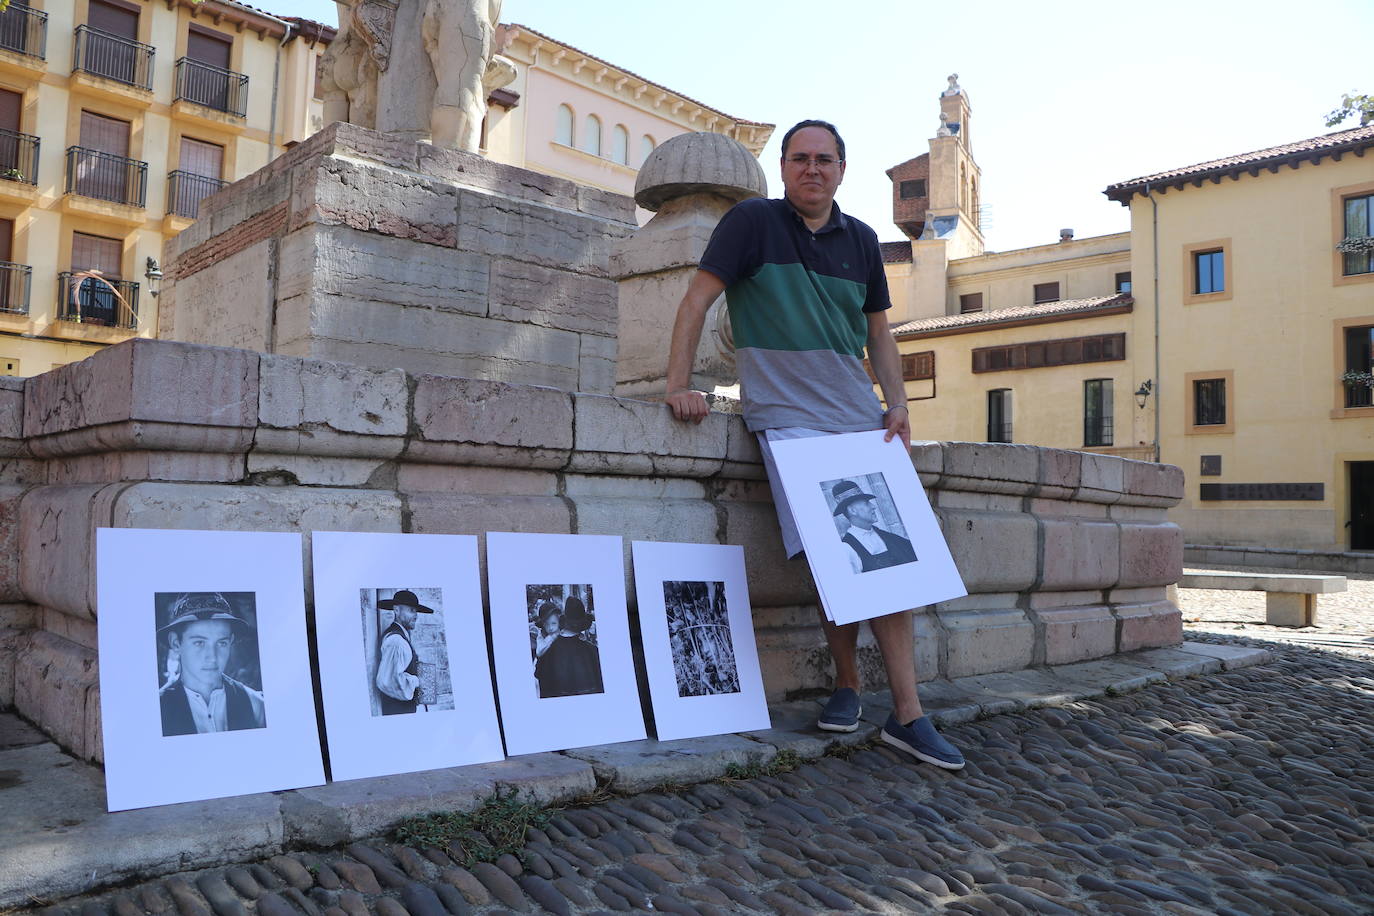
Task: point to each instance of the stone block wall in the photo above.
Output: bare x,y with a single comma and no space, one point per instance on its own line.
1067,555
368,249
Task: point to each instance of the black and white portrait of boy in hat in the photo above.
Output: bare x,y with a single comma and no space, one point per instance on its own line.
205,636
869,546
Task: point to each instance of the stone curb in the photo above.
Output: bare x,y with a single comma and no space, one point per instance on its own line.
59,840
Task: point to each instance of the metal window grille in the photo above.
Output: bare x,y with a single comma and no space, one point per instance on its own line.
18,156
16,281
24,31
185,191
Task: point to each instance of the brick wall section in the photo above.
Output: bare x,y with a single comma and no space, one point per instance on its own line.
912,210
1066,555
268,224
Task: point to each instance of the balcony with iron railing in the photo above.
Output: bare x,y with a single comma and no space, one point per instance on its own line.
15,283
185,191
85,297
18,157
212,87
120,59
104,176
24,31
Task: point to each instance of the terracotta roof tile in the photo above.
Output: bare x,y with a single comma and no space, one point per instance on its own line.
1313,148
1015,313
895,252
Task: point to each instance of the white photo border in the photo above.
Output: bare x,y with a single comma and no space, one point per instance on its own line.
803,464
677,716
142,766
360,743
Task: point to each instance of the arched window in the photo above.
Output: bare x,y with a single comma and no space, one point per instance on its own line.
646,146
591,140
620,144
563,126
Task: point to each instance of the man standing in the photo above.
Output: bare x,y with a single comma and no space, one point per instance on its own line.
571,666
807,295
398,670
201,698
870,547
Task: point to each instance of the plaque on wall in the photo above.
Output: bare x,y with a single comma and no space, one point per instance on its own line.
1211,465
1215,492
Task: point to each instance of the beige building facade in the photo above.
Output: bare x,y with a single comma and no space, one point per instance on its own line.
575,116
117,117
1240,350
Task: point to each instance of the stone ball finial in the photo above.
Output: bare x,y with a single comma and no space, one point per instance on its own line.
699,163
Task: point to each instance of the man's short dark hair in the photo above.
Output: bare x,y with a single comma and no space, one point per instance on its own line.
787,137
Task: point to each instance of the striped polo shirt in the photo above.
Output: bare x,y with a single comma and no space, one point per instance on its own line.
798,305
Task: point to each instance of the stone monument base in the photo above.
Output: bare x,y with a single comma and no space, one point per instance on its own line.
1066,554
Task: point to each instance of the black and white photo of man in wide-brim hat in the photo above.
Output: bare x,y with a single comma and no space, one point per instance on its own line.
201,634
870,547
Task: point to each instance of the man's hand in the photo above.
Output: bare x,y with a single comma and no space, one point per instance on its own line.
688,405
897,420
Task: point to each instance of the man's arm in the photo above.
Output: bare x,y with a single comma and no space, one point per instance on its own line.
392,678
703,289
887,367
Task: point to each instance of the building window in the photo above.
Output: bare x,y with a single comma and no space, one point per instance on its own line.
999,415
1359,366
646,146
970,302
620,145
908,190
1123,282
591,140
1069,351
1046,292
1097,412
918,366
1209,272
1357,245
563,126
317,90
1209,402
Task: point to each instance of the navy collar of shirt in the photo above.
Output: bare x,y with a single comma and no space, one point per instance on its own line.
837,219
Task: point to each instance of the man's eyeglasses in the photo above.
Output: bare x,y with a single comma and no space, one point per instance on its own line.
800,160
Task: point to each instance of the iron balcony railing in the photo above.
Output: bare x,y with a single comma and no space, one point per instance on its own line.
18,156
112,57
15,282
222,90
104,176
1097,431
1359,396
24,31
88,298
185,191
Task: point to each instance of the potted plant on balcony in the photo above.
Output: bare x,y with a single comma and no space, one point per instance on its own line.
12,175
1357,379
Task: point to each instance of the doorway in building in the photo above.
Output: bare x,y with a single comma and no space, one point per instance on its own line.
1362,505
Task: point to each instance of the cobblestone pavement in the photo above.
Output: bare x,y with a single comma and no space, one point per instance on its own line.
1241,792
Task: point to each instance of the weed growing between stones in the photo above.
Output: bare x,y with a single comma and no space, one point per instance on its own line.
497,827
783,762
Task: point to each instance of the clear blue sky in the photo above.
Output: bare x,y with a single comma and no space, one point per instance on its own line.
1068,97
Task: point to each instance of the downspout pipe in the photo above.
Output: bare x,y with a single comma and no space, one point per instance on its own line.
1154,253
288,29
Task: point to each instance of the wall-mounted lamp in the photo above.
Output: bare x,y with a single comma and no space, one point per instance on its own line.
1142,394
154,275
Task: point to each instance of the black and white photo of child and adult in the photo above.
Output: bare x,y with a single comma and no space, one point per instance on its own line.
209,672
405,642
867,521
699,637
563,647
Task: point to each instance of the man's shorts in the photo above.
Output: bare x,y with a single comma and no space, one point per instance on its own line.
791,538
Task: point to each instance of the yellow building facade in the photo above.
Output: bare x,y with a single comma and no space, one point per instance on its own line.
1240,348
117,117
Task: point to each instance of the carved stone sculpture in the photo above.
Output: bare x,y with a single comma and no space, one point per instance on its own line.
419,68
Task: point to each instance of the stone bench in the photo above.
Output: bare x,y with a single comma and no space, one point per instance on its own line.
1290,600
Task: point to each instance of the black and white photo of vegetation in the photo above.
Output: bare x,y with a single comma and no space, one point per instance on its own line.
699,637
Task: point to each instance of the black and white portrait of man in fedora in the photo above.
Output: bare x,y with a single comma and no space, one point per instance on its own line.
204,637
869,546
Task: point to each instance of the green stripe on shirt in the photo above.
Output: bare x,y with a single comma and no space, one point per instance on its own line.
821,313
